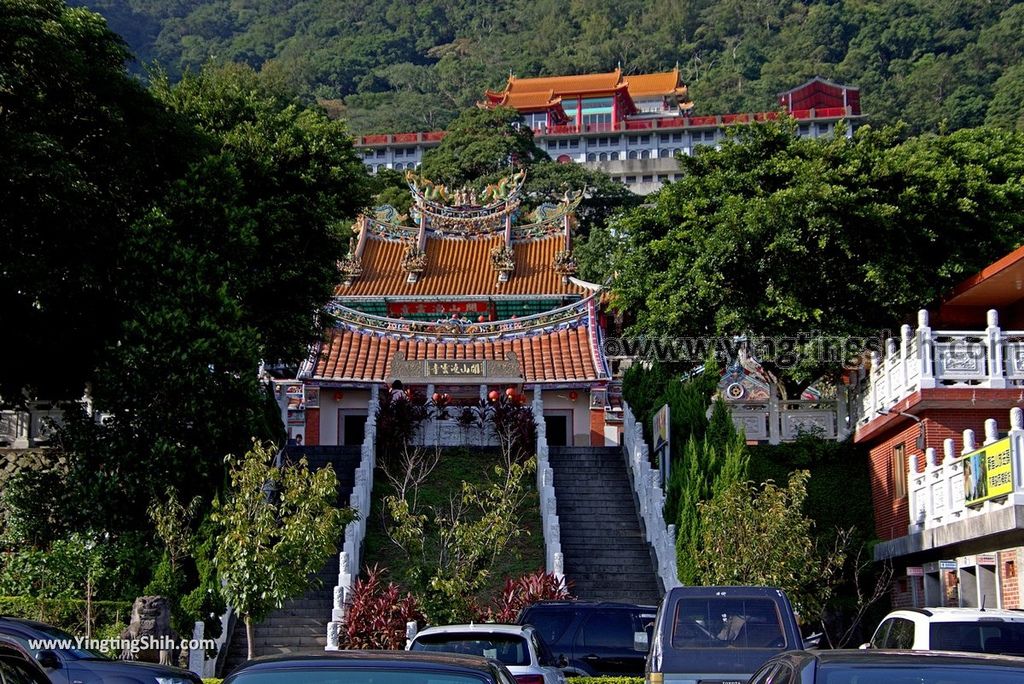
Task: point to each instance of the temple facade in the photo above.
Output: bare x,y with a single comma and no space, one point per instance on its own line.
466,296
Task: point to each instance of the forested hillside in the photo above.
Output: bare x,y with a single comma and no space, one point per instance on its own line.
388,65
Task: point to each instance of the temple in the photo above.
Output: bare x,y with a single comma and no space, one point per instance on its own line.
632,127
465,296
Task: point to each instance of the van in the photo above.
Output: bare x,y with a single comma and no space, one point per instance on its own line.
719,635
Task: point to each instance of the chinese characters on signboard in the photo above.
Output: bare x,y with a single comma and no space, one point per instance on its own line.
988,472
456,368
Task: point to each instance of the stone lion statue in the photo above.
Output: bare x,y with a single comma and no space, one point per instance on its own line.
151,621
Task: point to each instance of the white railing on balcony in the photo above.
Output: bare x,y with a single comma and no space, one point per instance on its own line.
778,420
937,492
355,531
646,484
553,560
923,358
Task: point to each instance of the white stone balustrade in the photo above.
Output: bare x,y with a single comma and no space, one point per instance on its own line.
351,554
923,358
936,492
660,536
777,420
553,560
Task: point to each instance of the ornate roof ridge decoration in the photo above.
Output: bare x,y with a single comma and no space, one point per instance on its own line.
503,260
565,263
549,218
351,265
437,200
394,232
414,259
461,330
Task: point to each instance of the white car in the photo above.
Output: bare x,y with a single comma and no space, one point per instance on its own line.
517,647
951,629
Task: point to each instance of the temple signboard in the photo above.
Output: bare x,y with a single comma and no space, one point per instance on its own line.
988,472
454,370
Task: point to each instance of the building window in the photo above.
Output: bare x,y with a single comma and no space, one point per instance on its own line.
663,138
804,129
709,135
380,152
563,144
662,178
617,140
664,152
552,144
645,154
645,139
614,156
647,179
633,154
677,137
630,179
899,471
632,139
591,156
823,129
574,143
399,152
603,156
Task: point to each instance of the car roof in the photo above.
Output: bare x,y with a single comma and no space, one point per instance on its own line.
960,614
6,621
880,657
727,591
485,628
411,659
593,604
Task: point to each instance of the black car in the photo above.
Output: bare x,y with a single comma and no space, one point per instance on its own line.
65,663
595,638
372,667
889,667
17,666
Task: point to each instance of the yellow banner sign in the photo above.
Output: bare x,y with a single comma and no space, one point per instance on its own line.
988,472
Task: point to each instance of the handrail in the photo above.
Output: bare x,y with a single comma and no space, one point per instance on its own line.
554,561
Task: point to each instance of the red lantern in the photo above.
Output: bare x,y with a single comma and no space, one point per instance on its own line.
493,395
573,396
436,397
480,318
510,392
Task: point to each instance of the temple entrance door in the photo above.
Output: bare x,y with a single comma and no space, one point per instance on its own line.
559,428
351,428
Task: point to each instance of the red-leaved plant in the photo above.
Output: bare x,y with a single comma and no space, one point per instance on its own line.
378,613
523,591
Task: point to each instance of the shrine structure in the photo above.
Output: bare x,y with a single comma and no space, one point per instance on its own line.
466,295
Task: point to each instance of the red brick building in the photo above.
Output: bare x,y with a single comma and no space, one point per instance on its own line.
961,369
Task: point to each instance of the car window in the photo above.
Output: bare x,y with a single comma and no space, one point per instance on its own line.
901,634
644,622
878,638
378,675
16,671
502,677
608,629
978,637
550,622
544,656
507,649
720,622
918,674
764,675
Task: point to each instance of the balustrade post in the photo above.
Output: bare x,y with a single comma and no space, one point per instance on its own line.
994,351
876,361
925,350
969,443
991,431
842,409
1017,446
906,336
774,419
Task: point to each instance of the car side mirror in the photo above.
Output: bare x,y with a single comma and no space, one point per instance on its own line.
49,660
562,661
866,645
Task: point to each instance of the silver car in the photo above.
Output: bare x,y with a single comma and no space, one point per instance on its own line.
517,647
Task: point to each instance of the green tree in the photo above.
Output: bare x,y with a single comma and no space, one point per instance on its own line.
778,236
1006,110
279,526
760,535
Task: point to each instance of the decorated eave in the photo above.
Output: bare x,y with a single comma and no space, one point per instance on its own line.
456,243
557,348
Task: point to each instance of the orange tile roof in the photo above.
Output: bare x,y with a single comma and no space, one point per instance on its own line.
529,99
460,267
647,85
556,356
566,85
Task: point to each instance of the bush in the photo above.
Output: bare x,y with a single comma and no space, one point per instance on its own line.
523,591
67,614
378,613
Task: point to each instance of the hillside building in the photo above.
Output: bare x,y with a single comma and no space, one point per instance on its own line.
632,127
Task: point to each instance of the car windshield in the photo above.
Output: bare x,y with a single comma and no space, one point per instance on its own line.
720,622
53,639
978,637
550,622
917,674
508,649
377,675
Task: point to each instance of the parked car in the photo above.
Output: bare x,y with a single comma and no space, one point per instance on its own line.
888,667
372,667
69,664
18,666
719,634
951,629
594,638
517,647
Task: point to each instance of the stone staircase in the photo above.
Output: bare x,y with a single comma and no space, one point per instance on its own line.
605,553
300,626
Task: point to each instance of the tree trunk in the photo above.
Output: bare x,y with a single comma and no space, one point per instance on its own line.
250,637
